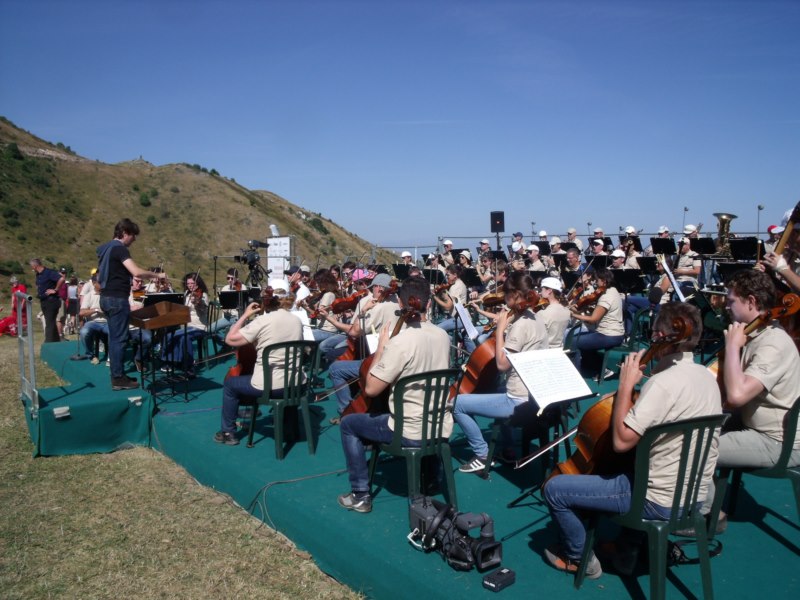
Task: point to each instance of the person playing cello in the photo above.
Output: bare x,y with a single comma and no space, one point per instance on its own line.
419,347
274,326
678,389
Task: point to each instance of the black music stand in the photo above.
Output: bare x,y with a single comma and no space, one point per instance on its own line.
745,249
568,245
637,243
401,270
544,248
254,294
173,297
665,246
498,255
628,281
434,276
560,261
470,277
647,264
726,270
233,299
602,261
704,246
570,278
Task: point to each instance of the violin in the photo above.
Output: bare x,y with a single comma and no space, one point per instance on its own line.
492,300
594,452
441,288
341,305
589,300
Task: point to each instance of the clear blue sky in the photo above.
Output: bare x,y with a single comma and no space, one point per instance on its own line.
406,121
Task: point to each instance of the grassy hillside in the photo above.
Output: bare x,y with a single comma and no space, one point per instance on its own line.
59,206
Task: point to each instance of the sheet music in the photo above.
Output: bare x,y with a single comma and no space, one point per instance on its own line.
549,376
463,314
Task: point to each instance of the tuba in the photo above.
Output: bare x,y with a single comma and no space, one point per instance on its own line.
723,233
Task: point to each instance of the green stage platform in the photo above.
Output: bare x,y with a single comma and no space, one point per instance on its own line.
370,553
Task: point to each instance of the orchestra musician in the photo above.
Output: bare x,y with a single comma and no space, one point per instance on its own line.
678,389
688,267
447,257
763,384
379,308
228,317
453,292
618,260
418,348
555,245
555,315
604,326
328,286
195,297
572,236
275,325
526,331
574,264
663,233
774,232
406,257
535,264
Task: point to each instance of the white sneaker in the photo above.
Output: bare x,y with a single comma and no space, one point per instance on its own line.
474,465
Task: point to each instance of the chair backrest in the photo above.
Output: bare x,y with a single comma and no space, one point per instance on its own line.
571,338
299,358
639,334
697,438
789,435
435,386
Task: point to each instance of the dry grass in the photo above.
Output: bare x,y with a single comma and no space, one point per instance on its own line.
129,524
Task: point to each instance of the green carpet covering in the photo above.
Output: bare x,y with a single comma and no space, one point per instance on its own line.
370,553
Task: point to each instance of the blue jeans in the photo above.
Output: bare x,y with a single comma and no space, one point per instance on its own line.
234,391
173,349
449,325
221,324
90,331
358,430
147,339
589,342
341,372
567,495
118,315
485,405
328,346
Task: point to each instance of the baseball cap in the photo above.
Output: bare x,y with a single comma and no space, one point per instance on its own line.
689,229
532,247
484,241
596,229
382,279
618,253
359,274
542,233
448,242
291,270
518,234
555,240
778,229
466,253
405,253
305,268
663,229
597,242
630,229
515,246
684,240
572,230
12,280
552,282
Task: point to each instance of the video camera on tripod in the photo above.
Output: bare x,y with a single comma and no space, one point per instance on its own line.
437,526
250,257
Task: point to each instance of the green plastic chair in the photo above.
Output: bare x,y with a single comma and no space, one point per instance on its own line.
780,470
436,385
299,361
698,434
635,341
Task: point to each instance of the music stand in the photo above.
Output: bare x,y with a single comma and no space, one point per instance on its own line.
254,294
434,276
560,261
544,247
537,277
704,246
570,278
498,255
664,246
601,261
568,245
745,249
173,297
379,269
628,281
637,243
647,264
233,299
470,277
401,270
726,270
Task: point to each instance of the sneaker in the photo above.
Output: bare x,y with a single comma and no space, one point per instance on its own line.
123,383
138,364
361,503
227,438
95,360
556,557
608,374
474,465
335,420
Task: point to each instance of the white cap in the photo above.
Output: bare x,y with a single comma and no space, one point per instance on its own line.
279,285
532,247
405,253
572,230
555,240
663,229
466,253
448,242
618,253
542,233
689,229
484,241
515,246
596,229
551,282
685,240
597,241
305,268
630,229
778,229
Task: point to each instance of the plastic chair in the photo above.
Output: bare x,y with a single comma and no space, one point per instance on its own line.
698,435
299,358
780,470
636,340
436,385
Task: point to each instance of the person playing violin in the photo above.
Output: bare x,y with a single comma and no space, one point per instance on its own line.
760,387
418,348
678,389
273,324
379,308
527,332
604,327
228,317
452,293
195,297
327,286
555,315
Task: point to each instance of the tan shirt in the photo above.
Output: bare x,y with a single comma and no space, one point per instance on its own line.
527,332
556,319
611,323
271,328
325,302
419,348
690,260
678,389
771,357
458,293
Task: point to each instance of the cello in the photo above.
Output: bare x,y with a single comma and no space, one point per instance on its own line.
246,356
594,452
362,403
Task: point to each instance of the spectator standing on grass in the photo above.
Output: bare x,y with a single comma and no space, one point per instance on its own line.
48,283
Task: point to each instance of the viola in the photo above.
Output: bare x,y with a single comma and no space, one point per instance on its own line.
589,300
341,305
594,452
492,300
